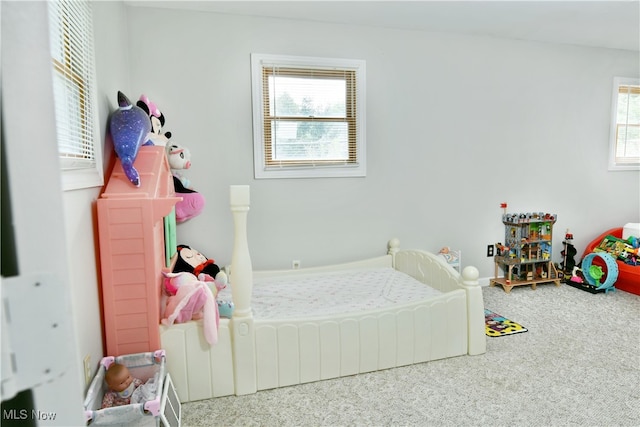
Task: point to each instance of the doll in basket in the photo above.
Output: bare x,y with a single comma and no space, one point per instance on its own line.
121,386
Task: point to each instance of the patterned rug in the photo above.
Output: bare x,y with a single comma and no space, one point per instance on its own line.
498,326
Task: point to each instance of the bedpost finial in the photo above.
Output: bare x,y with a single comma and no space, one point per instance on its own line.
470,275
393,246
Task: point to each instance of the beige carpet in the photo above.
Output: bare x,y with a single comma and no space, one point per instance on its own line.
578,365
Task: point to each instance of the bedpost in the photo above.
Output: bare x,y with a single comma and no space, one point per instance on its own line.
241,268
477,342
241,279
393,247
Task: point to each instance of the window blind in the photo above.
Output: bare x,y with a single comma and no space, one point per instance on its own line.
71,40
628,125
309,116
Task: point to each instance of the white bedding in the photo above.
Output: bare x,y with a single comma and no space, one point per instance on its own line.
332,293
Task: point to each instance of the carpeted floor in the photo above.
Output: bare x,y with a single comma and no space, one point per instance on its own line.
578,365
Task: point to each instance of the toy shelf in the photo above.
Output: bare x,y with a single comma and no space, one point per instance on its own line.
131,231
525,258
509,281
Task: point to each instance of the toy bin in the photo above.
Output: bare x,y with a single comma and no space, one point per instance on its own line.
629,275
162,408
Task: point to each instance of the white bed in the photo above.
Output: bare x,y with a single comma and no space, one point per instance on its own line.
270,351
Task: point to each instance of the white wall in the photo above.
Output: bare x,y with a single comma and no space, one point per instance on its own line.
455,125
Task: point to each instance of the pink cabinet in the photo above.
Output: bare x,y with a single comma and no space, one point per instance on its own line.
131,230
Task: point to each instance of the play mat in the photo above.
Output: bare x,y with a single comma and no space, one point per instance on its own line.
498,326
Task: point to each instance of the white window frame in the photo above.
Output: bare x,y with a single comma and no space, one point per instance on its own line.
75,95
261,170
613,164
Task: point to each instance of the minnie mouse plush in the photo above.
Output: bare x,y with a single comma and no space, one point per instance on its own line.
192,261
156,135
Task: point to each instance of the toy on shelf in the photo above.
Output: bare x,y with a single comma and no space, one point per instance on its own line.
525,256
191,298
129,126
192,261
192,203
156,135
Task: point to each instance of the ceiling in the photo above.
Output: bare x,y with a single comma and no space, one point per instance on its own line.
609,24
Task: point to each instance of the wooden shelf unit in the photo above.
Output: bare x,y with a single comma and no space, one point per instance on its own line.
525,258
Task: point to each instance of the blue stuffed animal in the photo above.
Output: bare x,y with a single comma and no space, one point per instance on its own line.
129,129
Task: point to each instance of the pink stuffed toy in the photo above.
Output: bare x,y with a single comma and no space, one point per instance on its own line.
192,299
192,203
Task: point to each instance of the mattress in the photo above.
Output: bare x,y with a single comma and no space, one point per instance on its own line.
324,294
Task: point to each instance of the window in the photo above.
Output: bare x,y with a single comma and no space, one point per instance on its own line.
71,40
308,117
624,142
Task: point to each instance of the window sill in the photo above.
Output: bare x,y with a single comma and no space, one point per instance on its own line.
79,179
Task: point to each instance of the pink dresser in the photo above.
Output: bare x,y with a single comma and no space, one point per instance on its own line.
133,253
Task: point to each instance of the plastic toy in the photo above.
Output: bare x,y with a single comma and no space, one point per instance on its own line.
628,274
569,251
148,402
525,257
129,126
593,273
121,386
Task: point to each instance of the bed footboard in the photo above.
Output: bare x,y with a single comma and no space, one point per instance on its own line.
429,269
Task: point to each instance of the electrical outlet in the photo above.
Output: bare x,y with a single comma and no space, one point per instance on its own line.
87,369
490,250
295,264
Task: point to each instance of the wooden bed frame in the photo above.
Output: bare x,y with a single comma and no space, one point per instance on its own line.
256,354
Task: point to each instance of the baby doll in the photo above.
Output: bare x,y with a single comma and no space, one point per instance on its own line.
121,386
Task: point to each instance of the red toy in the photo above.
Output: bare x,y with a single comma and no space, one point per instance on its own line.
629,275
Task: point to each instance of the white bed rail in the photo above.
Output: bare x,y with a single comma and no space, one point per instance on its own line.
253,354
430,269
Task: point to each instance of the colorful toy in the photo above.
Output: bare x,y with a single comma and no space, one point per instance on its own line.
225,308
121,386
129,126
191,261
525,257
192,203
179,159
156,136
593,273
193,300
569,251
628,274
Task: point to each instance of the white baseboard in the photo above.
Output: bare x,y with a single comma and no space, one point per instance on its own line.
484,281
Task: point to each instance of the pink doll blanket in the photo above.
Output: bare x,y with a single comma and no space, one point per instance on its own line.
192,300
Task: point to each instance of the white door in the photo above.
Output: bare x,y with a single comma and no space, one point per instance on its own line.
40,331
